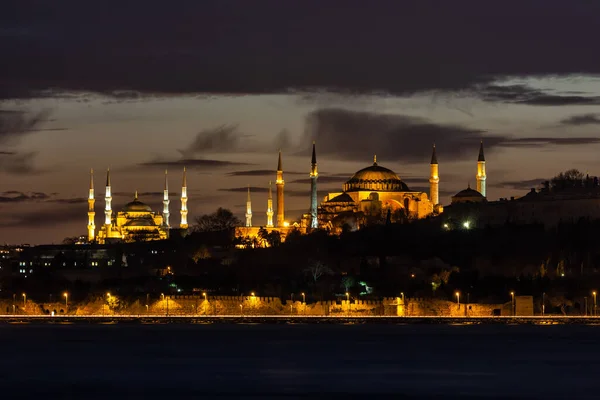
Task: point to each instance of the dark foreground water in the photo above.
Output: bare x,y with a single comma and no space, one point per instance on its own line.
299,361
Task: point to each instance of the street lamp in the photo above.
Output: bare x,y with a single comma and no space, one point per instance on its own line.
303,298
543,303
348,299
205,302
402,294
66,295
594,294
457,294
24,301
512,303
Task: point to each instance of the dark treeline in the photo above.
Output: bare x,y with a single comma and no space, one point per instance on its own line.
419,259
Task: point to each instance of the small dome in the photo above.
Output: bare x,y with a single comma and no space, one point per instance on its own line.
137,206
376,178
468,195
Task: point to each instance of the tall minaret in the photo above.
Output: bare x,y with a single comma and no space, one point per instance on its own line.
91,213
184,199
279,182
166,201
481,171
107,201
270,208
314,223
248,209
434,179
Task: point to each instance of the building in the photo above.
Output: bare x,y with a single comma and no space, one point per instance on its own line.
136,221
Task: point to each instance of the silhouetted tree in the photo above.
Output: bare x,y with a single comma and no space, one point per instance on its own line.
569,179
221,220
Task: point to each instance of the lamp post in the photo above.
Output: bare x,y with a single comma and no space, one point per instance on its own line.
66,295
543,303
108,301
147,302
14,301
458,298
24,301
594,294
205,302
292,305
304,302
348,300
512,303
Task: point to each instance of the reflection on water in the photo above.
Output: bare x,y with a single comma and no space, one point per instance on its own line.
217,360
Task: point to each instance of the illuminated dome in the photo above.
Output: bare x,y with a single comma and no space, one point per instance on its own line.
376,178
137,206
468,195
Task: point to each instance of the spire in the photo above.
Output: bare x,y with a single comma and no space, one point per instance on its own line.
136,195
248,209
91,211
314,155
375,159
166,202
108,177
184,211
270,208
433,156
166,180
92,179
481,157
279,165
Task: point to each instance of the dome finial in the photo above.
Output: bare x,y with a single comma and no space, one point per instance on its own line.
375,159
136,195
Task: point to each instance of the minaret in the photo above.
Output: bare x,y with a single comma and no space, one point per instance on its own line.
434,179
184,199
481,171
279,182
314,223
107,201
166,201
270,208
91,212
248,209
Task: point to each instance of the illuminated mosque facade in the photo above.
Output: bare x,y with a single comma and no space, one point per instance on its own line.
136,221
373,192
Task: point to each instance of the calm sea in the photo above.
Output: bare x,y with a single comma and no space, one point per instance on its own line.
299,361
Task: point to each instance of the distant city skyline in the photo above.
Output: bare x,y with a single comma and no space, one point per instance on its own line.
159,95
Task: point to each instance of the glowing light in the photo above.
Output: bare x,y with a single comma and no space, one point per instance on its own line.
412,275
252,294
286,224
446,226
466,224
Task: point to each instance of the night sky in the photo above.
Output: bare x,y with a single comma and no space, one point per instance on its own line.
220,86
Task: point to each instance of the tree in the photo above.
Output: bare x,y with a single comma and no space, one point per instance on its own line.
569,179
317,269
348,282
219,221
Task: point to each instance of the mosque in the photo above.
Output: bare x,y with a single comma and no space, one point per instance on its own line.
373,193
136,221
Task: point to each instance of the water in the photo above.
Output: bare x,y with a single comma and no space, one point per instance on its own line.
82,361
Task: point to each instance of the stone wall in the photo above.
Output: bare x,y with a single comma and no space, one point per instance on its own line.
255,305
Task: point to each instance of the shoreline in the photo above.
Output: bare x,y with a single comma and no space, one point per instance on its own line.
293,319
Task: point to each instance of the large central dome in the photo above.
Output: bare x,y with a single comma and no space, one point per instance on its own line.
375,178
137,206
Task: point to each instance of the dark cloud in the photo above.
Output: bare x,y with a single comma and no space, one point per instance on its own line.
13,196
16,124
46,217
324,179
191,163
229,139
19,163
583,119
353,135
258,47
521,185
542,141
74,200
262,172
253,189
523,94
144,194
